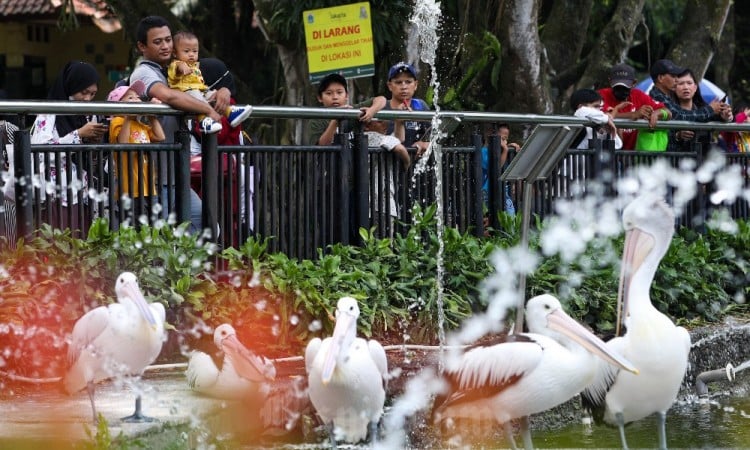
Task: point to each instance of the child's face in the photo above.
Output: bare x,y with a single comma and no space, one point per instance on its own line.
130,97
403,86
187,50
334,95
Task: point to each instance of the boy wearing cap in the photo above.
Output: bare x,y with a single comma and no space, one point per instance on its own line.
402,83
664,74
623,100
133,130
334,93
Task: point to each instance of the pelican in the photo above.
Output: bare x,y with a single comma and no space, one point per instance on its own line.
241,373
120,339
347,378
527,373
652,341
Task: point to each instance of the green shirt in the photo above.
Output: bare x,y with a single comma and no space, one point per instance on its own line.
318,126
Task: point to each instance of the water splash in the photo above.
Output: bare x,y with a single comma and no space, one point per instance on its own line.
426,23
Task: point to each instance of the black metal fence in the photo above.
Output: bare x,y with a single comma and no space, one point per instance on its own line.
302,197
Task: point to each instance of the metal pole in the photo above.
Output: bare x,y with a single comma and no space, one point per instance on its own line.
23,175
528,190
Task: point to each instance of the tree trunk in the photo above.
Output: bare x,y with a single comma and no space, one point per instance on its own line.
523,80
699,33
724,58
563,36
613,44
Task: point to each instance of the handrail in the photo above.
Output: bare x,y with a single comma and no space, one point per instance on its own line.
307,112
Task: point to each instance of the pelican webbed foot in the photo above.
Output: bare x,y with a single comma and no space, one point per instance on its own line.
137,416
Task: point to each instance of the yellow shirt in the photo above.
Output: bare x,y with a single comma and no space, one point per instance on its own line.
191,81
127,168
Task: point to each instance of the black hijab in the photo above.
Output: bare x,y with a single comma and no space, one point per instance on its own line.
216,75
74,77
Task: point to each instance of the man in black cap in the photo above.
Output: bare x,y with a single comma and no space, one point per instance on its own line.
664,73
624,101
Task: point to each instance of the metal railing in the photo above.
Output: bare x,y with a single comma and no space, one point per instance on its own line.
303,197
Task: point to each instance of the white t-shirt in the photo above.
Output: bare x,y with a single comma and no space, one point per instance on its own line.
596,116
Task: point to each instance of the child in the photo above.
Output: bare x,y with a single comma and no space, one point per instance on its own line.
334,93
184,73
402,83
587,104
133,130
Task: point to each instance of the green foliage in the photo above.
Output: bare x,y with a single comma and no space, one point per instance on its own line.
279,303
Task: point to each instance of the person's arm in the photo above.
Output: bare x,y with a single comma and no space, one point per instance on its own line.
369,111
123,133
221,100
326,138
157,132
399,130
182,101
403,155
43,131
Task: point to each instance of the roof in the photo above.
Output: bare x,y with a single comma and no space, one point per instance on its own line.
98,10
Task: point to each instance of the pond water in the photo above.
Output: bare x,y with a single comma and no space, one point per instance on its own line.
722,423
697,423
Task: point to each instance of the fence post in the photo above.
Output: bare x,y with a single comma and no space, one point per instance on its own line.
24,184
477,182
182,176
361,177
209,183
345,187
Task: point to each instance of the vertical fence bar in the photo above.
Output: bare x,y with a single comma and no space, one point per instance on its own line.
181,163
478,181
23,176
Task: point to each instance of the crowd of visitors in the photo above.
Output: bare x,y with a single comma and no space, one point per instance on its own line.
171,71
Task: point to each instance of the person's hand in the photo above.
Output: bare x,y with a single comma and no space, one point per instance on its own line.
421,147
726,113
366,114
92,131
614,112
221,100
183,68
684,135
716,106
653,118
645,112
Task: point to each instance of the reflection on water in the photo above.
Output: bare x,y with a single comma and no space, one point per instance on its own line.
695,424
723,423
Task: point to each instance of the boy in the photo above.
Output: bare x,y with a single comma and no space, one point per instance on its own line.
185,75
402,83
587,104
334,93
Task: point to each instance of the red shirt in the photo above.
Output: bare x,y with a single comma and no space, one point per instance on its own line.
637,98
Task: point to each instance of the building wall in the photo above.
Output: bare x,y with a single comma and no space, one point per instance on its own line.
34,53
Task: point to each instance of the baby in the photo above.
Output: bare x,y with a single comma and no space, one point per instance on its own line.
184,73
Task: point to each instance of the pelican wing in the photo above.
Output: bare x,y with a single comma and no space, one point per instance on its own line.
593,397
201,371
313,347
485,371
377,353
86,330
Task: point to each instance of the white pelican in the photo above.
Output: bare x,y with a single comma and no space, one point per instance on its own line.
241,373
346,378
120,339
527,373
654,344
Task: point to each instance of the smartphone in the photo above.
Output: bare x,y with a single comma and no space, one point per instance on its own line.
723,99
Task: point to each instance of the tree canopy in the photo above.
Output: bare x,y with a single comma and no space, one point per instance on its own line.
494,55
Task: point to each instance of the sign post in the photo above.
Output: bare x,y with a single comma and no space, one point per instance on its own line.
339,39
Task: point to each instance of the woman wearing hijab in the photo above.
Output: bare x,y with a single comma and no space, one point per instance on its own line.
77,81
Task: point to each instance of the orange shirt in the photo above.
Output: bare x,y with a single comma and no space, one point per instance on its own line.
127,167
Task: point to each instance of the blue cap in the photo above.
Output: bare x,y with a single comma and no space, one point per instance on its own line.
401,67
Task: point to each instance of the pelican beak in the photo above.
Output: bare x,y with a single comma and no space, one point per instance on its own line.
134,293
247,364
343,323
637,245
563,323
